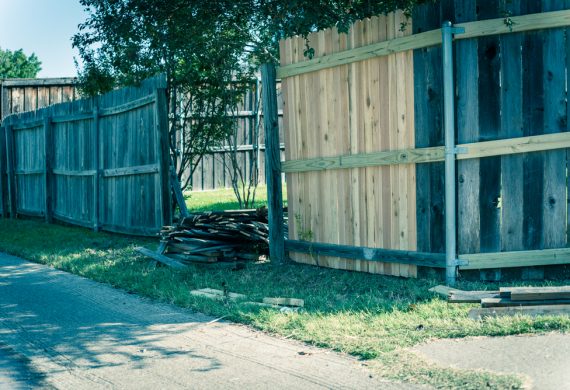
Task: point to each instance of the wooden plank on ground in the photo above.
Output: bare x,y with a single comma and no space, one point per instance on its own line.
506,302
535,293
471,296
284,301
160,258
444,291
217,294
533,311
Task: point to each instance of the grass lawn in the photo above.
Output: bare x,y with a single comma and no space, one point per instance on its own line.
224,199
371,316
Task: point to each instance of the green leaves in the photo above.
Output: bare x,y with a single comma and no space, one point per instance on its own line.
15,64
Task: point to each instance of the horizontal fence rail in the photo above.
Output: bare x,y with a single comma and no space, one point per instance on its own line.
503,147
515,24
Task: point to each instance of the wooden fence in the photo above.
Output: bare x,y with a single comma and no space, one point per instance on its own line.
363,135
211,173
20,95
100,163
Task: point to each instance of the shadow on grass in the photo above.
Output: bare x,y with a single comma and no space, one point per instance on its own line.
362,314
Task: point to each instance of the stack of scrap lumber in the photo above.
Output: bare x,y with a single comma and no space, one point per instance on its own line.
214,236
508,301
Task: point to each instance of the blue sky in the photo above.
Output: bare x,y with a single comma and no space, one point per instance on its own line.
44,27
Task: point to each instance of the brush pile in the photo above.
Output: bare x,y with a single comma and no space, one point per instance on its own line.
215,236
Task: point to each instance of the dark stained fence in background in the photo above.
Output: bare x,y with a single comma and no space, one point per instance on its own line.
508,86
211,172
100,163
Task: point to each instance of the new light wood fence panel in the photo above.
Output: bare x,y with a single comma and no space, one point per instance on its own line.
363,107
107,161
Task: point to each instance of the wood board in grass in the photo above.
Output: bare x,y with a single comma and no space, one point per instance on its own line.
533,311
535,293
505,302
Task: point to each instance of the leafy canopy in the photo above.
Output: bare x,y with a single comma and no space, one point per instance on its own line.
15,64
209,51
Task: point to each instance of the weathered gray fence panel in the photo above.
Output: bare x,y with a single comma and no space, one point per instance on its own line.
20,95
106,163
211,172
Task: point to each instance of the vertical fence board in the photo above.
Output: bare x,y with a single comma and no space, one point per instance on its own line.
554,78
3,178
10,170
512,198
163,154
489,124
567,51
533,111
48,174
467,107
428,119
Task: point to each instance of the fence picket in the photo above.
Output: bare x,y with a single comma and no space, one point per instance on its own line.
468,172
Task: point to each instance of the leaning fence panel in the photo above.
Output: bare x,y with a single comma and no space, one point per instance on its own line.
107,161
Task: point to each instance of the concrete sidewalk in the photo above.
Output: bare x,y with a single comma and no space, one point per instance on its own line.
61,330
543,360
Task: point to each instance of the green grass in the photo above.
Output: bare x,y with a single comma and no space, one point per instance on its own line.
224,199
371,316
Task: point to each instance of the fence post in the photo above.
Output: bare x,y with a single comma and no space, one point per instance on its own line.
447,31
98,171
48,168
10,170
3,183
273,163
163,153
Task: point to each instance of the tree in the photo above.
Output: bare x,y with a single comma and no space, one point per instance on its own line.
278,19
15,64
209,51
197,44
